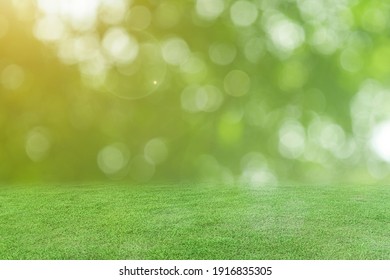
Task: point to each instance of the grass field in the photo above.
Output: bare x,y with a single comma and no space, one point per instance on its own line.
194,222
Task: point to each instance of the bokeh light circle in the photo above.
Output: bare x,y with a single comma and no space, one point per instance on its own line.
112,159
141,76
222,53
12,77
139,17
209,9
379,141
156,151
243,13
4,26
38,143
175,51
237,83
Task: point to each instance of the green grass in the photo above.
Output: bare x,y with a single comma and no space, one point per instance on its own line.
195,222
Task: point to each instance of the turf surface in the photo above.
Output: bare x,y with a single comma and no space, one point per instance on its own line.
195,222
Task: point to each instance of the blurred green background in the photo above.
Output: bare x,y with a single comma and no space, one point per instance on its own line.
259,92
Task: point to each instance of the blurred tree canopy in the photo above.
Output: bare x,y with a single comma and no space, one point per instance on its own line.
252,91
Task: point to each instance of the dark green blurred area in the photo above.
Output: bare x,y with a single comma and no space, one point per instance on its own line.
258,92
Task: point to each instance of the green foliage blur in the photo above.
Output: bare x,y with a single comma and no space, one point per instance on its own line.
247,91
